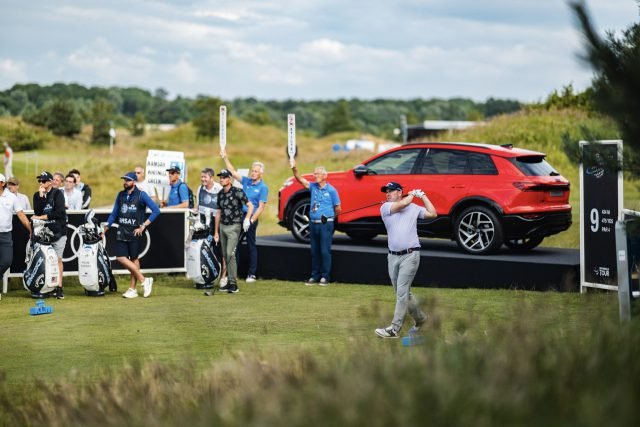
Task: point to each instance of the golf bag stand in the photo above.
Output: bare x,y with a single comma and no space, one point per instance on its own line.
40,277
94,266
203,266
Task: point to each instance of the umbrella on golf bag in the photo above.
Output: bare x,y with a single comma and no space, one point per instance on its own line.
203,264
40,277
94,266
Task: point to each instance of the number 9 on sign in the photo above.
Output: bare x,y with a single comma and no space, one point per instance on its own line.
595,219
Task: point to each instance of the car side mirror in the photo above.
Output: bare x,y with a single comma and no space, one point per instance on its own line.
360,170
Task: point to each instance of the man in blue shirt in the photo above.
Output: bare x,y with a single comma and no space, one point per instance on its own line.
178,193
257,193
129,210
324,210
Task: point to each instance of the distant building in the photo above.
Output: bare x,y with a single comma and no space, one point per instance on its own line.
430,128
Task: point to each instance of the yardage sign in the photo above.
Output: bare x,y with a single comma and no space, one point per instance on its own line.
600,207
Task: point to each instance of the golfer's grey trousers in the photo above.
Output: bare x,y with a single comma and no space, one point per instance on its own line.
402,270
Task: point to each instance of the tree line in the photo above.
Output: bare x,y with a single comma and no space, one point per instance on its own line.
64,108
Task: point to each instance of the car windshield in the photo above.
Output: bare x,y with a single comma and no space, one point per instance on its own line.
534,166
398,162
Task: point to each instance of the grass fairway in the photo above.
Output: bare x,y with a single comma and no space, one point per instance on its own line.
178,322
280,353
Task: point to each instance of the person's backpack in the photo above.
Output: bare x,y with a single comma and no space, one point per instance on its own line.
190,193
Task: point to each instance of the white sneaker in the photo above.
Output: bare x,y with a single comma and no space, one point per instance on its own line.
131,293
223,282
147,285
250,279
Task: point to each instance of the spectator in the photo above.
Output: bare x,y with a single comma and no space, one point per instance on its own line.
58,180
144,185
229,223
9,205
72,196
325,208
129,210
400,217
257,192
178,193
84,188
8,159
208,206
14,186
48,205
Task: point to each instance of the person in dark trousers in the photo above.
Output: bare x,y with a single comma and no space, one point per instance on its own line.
324,211
129,210
48,205
229,223
257,192
9,205
400,217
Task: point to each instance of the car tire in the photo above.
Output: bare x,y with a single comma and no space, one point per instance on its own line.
478,230
361,236
523,245
299,220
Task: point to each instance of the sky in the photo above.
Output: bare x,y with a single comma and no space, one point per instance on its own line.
305,49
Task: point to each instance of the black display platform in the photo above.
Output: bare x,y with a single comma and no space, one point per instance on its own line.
442,265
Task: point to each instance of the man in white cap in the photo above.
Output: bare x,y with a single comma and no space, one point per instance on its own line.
129,210
13,184
9,205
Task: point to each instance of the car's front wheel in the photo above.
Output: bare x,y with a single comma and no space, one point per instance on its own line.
478,230
524,244
299,220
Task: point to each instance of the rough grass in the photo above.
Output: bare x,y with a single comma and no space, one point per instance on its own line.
281,353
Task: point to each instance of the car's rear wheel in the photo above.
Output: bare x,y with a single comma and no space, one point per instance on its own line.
478,230
299,220
524,244
362,236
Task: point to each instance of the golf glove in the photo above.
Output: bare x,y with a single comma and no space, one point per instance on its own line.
246,224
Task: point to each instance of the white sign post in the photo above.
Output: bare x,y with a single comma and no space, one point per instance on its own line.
112,136
291,143
223,127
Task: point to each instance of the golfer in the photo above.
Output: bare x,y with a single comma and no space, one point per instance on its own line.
400,217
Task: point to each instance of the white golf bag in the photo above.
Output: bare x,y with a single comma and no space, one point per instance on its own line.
94,266
40,277
203,266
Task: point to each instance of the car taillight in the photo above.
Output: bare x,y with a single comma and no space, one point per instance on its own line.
525,186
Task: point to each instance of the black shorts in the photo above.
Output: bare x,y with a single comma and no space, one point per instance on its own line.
130,249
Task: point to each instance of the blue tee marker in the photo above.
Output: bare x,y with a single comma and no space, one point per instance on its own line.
40,308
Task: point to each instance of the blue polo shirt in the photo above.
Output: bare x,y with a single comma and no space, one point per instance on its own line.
256,192
178,194
322,201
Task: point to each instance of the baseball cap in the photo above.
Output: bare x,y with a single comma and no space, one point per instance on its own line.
224,172
174,169
2,178
391,186
44,176
13,180
130,176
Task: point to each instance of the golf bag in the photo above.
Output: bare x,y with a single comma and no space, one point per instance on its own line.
94,266
41,275
203,265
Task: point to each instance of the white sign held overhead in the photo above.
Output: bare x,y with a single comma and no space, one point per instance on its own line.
223,127
291,144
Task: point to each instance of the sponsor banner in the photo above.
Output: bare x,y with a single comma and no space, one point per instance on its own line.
162,243
600,207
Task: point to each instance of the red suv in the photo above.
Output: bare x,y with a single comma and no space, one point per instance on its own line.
485,195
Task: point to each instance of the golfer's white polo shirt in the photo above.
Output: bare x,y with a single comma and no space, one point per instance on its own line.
8,206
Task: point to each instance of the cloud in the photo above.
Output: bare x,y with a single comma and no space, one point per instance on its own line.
184,71
12,71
